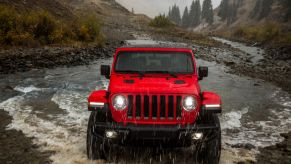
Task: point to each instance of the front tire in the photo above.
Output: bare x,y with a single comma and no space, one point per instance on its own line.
210,150
95,145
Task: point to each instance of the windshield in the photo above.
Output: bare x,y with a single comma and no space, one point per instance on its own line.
154,62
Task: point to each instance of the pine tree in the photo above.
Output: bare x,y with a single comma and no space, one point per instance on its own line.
231,13
174,14
207,11
197,16
223,11
228,10
192,14
287,5
195,13
177,16
262,9
185,18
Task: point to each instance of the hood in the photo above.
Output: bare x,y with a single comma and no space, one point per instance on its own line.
154,84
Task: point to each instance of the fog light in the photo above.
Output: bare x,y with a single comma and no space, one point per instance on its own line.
197,136
110,134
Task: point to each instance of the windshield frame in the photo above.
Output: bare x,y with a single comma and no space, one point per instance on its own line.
186,51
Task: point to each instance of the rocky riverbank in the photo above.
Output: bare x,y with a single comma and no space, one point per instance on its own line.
16,147
274,68
19,60
279,153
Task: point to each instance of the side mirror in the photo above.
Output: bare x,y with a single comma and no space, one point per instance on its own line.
105,71
203,72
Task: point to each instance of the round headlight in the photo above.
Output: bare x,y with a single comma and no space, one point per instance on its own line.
189,103
119,102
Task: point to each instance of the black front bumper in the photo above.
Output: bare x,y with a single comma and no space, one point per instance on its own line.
148,135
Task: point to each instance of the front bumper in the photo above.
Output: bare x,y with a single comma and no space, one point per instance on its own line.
148,135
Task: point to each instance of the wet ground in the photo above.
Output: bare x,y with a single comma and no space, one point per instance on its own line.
255,53
50,106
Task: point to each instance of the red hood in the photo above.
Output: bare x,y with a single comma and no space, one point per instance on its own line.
154,84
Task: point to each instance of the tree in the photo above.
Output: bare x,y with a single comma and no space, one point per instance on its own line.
195,13
262,9
174,14
185,18
287,5
228,10
192,14
223,11
207,11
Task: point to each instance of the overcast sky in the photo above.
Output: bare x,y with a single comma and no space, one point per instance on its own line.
155,7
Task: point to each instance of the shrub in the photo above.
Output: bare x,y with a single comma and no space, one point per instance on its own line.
161,21
89,28
240,32
265,33
40,27
44,27
8,19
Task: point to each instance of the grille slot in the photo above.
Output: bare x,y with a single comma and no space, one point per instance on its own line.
171,107
138,106
178,107
146,107
154,107
163,106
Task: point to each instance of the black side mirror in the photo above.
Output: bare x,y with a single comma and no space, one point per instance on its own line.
203,72
105,71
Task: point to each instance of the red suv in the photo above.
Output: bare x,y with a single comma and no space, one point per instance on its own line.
154,99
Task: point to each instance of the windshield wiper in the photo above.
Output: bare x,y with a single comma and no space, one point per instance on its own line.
163,72
140,73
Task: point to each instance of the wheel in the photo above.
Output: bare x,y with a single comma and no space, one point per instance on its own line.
96,146
208,151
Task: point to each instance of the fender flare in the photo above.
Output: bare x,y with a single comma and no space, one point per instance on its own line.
211,103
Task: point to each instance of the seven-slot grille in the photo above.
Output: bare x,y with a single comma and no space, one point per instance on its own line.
148,107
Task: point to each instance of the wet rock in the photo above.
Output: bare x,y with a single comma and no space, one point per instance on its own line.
247,146
248,60
8,87
256,84
229,63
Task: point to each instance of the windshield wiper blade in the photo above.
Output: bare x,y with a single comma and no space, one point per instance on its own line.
140,73
163,72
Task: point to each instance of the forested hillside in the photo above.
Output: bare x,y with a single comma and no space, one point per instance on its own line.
265,21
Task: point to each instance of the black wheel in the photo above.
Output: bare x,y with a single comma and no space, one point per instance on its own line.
208,151
96,146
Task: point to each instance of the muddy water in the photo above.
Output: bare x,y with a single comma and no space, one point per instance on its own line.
50,105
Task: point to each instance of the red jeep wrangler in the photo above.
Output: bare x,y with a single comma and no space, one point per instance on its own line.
154,99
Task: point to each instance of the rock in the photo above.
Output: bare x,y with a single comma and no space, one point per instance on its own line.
8,87
256,84
247,146
229,63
